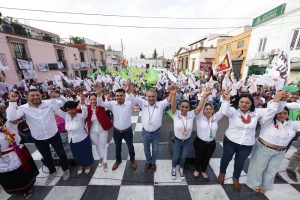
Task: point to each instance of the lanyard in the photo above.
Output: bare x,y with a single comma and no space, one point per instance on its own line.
184,125
210,122
149,113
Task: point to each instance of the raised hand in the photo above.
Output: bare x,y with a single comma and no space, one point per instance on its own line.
280,96
98,88
82,99
207,92
173,88
226,95
13,97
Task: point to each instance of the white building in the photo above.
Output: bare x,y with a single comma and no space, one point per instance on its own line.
268,38
203,50
113,57
146,63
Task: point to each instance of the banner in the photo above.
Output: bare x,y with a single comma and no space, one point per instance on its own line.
225,64
43,67
29,74
60,65
205,66
24,64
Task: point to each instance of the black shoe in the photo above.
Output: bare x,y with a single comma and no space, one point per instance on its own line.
292,175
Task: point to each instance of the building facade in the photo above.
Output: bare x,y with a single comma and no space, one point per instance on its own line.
236,47
113,57
34,59
92,57
268,38
144,63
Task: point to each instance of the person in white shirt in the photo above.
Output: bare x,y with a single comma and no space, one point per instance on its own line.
204,143
40,118
122,111
183,125
80,142
240,135
152,112
270,148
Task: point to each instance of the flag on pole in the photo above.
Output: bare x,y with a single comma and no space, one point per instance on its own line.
225,64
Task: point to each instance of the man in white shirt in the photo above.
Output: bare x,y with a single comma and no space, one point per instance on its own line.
39,116
122,111
152,112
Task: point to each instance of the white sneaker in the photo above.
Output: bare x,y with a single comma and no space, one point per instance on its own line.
100,162
181,173
66,175
79,171
50,178
173,173
87,170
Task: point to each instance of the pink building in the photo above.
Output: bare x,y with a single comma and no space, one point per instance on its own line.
35,59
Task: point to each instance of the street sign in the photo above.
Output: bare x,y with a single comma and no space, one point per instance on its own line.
269,15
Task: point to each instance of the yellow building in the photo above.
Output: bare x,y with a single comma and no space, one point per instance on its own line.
237,46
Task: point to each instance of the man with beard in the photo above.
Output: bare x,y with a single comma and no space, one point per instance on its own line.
39,116
122,111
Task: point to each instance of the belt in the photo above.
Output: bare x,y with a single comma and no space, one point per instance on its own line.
176,138
6,152
274,148
123,131
152,131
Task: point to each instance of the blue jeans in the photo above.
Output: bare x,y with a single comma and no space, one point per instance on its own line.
180,151
149,138
241,154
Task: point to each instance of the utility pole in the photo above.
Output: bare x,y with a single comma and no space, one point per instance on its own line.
122,48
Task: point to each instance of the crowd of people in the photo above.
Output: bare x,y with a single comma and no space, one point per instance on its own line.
262,124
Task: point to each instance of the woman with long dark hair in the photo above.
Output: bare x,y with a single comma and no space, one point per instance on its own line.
240,135
204,143
269,149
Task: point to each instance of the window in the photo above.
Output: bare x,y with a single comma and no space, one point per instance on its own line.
60,55
81,53
295,43
240,44
262,44
19,50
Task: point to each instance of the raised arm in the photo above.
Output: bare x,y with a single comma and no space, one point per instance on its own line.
267,114
173,90
225,108
99,90
13,113
201,103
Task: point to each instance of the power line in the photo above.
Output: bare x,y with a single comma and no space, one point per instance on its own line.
126,16
129,26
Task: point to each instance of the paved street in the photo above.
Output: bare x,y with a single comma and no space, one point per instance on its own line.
125,184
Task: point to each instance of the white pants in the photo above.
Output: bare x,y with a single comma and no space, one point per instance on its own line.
264,164
99,139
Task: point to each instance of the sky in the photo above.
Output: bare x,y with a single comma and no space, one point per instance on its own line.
135,41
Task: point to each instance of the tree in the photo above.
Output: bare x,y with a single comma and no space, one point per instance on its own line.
18,28
142,55
154,54
77,40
